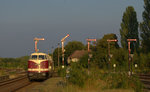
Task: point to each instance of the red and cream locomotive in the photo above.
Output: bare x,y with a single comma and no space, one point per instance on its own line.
40,65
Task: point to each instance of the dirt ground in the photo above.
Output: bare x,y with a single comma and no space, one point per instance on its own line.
54,84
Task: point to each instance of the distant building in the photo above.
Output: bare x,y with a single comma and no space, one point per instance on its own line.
75,57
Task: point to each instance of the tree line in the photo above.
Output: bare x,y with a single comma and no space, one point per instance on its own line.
14,63
130,28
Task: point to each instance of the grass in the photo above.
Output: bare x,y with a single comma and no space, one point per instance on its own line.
96,81
93,86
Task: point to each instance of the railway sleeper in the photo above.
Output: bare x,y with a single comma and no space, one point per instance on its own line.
3,78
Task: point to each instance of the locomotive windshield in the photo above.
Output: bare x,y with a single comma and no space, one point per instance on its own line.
34,57
42,57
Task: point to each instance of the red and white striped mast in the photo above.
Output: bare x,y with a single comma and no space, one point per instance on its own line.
109,56
88,42
110,40
130,40
129,49
62,42
36,41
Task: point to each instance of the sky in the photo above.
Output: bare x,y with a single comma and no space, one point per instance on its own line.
23,20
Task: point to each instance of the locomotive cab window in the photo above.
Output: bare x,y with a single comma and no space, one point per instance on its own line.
34,57
42,57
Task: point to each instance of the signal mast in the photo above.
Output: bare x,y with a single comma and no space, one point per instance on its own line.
89,55
129,49
112,40
89,40
36,41
129,40
62,42
109,55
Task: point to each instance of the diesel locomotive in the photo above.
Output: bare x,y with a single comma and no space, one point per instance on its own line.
40,66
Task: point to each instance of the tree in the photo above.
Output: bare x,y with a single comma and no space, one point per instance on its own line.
145,27
129,28
120,58
23,62
100,53
57,54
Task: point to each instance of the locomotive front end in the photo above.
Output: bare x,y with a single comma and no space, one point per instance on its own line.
38,66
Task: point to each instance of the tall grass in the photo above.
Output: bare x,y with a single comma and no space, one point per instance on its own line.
122,80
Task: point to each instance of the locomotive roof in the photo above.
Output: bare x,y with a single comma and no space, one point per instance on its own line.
38,53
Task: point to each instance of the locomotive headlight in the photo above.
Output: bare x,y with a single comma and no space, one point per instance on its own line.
50,67
43,74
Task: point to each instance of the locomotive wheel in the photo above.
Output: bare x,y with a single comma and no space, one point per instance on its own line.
30,79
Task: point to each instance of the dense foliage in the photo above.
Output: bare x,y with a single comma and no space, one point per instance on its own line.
145,27
122,80
78,75
57,56
14,62
100,52
129,28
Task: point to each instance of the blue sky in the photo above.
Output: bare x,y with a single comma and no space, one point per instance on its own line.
22,20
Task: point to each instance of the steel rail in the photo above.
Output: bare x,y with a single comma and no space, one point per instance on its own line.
12,80
145,79
14,84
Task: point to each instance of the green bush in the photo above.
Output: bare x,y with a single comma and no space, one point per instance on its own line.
14,62
62,72
84,61
122,80
78,75
137,85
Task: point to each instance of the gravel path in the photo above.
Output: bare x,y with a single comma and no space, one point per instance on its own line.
51,85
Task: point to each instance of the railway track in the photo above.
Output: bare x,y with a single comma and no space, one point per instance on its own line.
145,79
12,85
15,84
7,77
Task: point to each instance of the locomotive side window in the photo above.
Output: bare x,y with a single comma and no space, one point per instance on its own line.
45,56
41,56
34,57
